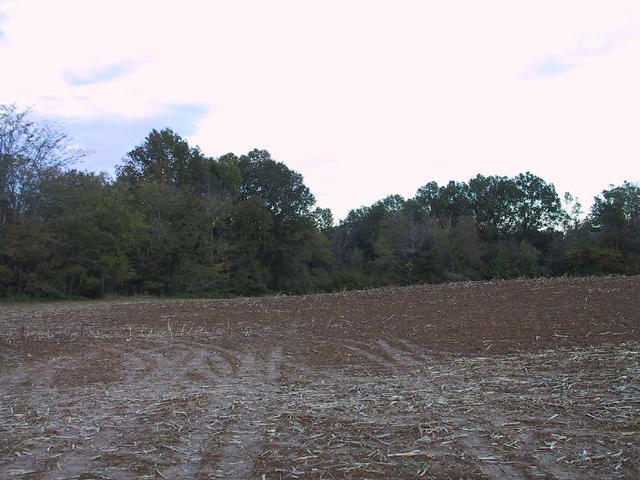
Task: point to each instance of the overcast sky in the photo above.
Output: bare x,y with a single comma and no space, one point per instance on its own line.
363,98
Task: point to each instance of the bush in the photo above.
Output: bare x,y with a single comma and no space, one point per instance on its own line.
595,260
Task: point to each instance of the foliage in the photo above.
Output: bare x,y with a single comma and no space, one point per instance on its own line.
176,222
616,217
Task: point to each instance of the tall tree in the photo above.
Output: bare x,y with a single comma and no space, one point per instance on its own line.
31,154
538,206
32,157
282,190
616,214
184,198
94,235
493,201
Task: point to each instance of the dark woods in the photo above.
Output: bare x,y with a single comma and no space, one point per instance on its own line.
176,222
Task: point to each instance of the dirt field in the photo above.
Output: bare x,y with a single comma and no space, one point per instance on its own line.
520,379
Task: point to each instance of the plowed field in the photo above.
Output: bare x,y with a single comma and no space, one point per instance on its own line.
526,379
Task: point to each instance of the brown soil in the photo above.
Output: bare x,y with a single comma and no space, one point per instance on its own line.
526,379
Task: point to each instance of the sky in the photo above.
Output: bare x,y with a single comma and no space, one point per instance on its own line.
364,98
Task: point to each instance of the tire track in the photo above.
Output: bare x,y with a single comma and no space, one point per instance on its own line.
405,358
274,367
486,457
489,461
172,407
364,351
417,351
250,392
382,353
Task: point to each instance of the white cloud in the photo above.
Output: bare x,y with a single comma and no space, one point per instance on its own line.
364,98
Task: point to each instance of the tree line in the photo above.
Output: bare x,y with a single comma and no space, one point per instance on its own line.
176,222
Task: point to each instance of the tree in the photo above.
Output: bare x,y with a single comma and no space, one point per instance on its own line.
493,203
93,236
538,206
32,157
573,210
323,219
289,256
253,236
427,197
359,232
282,190
185,199
31,153
616,216
451,204
167,159
608,241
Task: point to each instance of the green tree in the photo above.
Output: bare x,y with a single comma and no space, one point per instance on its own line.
538,206
608,241
615,215
31,154
164,158
443,204
290,256
354,240
32,157
253,235
94,234
185,200
323,219
493,201
282,190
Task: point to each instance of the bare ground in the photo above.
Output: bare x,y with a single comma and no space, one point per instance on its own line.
523,379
